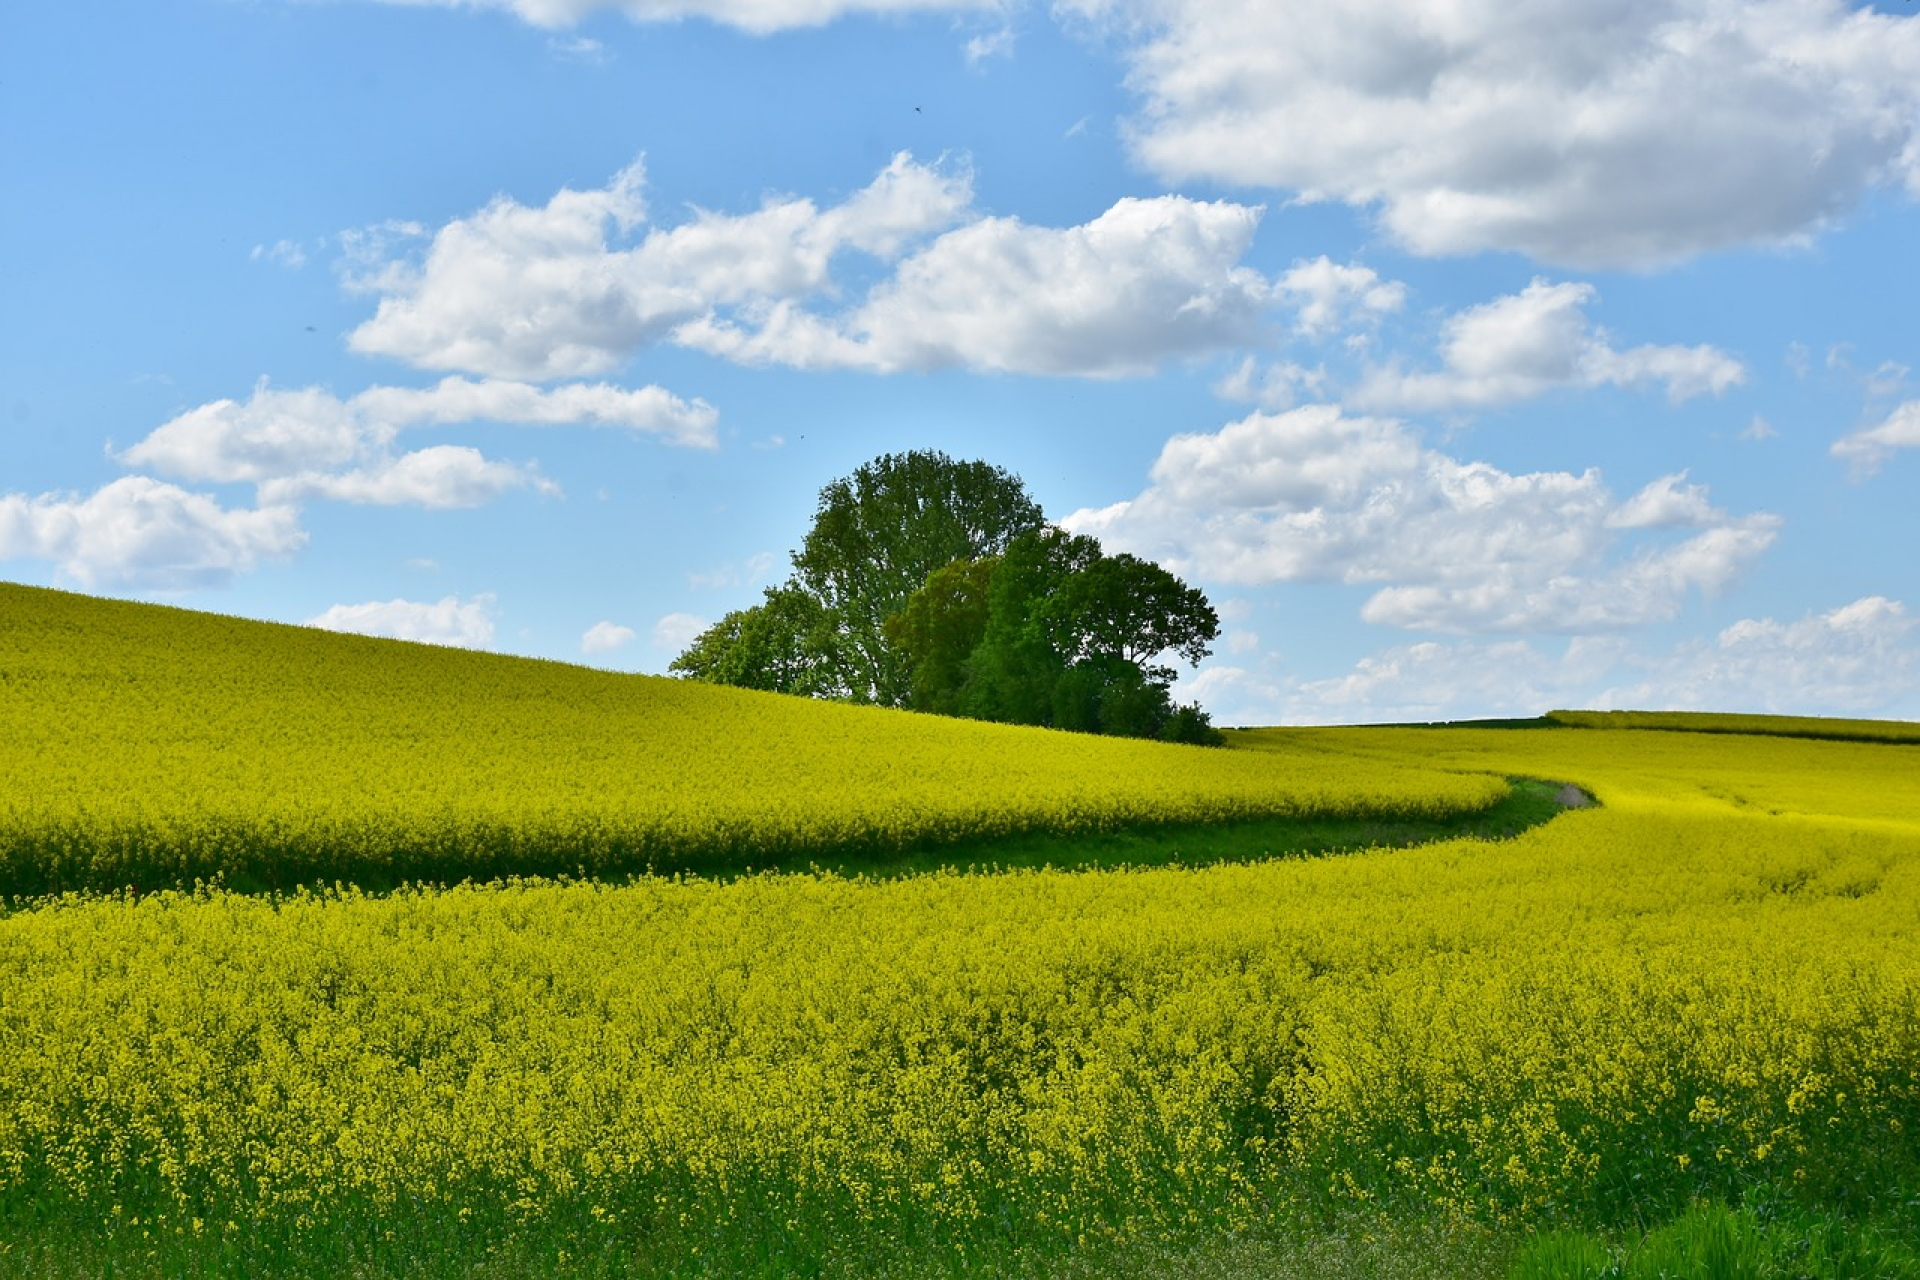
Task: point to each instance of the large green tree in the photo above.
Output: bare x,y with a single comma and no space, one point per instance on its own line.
881,532
877,536
938,585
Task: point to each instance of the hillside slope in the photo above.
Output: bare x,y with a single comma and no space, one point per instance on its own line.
143,745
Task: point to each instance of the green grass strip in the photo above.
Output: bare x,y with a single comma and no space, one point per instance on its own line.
1529,802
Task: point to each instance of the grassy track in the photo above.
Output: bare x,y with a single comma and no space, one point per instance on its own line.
1528,803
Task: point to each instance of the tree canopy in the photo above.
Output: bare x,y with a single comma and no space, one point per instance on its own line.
777,645
1066,638
937,630
881,531
938,585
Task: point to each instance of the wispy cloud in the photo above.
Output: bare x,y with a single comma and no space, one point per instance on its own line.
285,253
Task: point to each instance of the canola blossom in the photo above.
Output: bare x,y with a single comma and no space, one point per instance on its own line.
1709,981
145,747
1634,1003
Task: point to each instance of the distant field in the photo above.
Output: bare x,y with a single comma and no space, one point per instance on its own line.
1693,1008
1851,782
1715,722
146,746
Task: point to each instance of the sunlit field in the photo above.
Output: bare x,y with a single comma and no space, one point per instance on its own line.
1684,1018
151,747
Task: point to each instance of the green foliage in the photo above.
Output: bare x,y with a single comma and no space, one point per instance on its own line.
1115,697
1012,673
935,585
881,532
1564,1255
1011,680
1713,1242
1123,609
1191,725
939,628
780,645
1057,633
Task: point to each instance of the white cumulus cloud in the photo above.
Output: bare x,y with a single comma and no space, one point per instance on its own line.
555,291
676,631
307,442
1583,132
605,637
1147,280
649,410
1869,448
466,624
1523,345
137,532
275,433
578,285
1313,494
1278,385
442,476
1330,296
1665,504
1861,658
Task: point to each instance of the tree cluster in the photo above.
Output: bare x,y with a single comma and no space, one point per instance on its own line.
938,586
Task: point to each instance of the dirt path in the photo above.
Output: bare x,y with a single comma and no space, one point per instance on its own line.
1572,797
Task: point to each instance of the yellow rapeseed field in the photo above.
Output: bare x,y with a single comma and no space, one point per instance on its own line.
1710,981
1634,1000
1719,722
148,746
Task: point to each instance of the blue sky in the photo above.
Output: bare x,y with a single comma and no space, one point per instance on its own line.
1476,359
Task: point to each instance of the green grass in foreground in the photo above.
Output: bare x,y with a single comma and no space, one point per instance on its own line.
1353,1245
1763,1240
1713,1242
